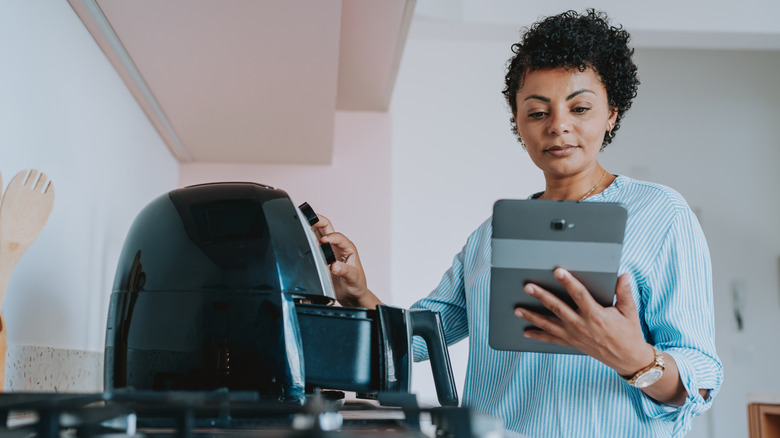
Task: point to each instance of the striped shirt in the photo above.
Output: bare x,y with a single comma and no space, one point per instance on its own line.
559,395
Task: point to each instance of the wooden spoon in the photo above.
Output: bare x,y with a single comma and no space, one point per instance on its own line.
3,349
24,210
3,333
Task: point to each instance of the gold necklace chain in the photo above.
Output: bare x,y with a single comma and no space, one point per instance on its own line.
594,187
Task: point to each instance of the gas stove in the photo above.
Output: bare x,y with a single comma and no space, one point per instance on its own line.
182,414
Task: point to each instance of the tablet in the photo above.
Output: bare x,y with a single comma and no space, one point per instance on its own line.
530,239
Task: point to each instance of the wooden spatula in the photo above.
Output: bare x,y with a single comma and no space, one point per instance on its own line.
24,210
3,349
3,333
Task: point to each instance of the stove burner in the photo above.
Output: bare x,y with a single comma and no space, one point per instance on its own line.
222,413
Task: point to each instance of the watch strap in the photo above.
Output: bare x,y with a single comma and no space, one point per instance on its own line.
658,362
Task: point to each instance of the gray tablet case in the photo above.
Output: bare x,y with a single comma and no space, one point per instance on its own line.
530,239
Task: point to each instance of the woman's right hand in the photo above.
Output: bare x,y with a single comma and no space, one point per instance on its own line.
349,278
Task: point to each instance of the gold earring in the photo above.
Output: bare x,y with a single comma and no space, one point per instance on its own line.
611,126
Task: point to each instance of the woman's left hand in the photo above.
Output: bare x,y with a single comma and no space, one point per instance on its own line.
612,335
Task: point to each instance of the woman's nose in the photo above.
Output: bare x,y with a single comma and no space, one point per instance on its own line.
560,123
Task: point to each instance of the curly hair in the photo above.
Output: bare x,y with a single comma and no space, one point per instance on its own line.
571,40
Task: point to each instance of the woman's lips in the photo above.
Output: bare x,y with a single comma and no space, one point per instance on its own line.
561,151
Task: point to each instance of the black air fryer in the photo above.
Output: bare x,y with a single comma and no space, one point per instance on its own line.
224,285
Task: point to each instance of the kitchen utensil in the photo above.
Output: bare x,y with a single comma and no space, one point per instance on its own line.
24,210
222,286
3,333
3,349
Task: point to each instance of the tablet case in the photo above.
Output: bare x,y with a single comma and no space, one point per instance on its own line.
530,239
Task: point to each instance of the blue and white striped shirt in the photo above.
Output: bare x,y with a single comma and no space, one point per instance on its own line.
557,395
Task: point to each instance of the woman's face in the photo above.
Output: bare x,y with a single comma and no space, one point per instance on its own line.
562,116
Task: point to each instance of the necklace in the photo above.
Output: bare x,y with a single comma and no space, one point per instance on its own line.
594,187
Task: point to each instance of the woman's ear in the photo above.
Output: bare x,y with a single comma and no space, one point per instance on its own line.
517,128
613,112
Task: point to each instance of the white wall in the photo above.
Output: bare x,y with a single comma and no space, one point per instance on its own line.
64,110
704,123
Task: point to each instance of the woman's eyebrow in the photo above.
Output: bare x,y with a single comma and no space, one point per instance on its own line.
569,97
536,96
578,92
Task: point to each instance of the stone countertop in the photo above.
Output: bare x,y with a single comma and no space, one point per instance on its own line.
47,369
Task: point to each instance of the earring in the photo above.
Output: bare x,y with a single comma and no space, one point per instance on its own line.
519,137
611,126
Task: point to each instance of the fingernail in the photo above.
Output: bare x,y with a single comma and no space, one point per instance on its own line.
560,273
519,313
530,289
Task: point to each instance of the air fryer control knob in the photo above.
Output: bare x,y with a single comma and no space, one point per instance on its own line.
312,218
307,211
327,251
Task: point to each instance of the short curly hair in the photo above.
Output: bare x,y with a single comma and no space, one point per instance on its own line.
572,40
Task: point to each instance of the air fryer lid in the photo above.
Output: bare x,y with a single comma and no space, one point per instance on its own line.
225,237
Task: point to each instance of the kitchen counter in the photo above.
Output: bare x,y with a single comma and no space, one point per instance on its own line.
31,368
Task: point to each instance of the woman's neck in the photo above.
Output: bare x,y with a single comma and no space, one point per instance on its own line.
577,188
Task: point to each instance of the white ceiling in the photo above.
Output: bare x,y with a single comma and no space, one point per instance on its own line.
258,81
697,24
252,81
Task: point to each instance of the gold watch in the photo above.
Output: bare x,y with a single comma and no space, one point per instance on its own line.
649,374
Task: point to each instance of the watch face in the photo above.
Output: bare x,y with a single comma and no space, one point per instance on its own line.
648,378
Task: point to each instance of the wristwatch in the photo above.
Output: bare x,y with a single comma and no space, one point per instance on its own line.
649,374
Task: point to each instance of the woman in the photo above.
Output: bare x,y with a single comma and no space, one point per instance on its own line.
650,362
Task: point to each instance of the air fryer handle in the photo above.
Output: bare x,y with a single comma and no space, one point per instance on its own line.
427,325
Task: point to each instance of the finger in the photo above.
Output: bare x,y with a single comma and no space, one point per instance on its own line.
340,241
545,323
323,226
624,299
350,274
543,336
551,302
577,291
343,248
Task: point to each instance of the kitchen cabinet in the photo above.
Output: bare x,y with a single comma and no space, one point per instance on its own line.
233,81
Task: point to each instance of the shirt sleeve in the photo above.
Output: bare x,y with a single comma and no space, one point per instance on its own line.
449,297
678,312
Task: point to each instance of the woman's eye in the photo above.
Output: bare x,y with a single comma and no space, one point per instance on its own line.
581,109
536,115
